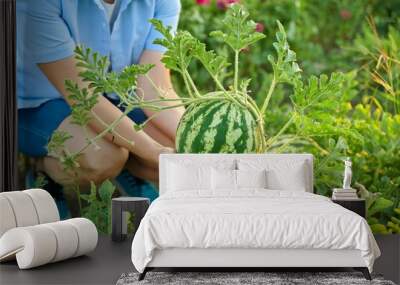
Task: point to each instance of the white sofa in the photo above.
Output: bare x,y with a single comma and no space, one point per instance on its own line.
31,231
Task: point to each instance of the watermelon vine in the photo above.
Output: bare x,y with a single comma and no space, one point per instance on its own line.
227,120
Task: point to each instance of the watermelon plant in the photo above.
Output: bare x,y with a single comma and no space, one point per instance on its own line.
228,120
225,120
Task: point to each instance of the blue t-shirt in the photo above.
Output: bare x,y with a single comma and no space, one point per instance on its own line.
49,30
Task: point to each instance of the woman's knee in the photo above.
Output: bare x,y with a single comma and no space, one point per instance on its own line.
98,162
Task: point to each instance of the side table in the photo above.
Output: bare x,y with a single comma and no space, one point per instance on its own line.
358,206
136,205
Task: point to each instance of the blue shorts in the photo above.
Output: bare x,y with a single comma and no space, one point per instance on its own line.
36,125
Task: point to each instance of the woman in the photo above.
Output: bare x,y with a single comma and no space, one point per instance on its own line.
47,33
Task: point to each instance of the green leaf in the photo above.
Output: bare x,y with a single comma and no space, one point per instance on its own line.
395,220
165,31
85,197
124,84
379,205
95,68
99,210
319,92
82,104
57,141
93,191
183,47
106,191
70,162
244,84
179,47
285,66
95,72
239,31
379,229
40,181
372,221
212,62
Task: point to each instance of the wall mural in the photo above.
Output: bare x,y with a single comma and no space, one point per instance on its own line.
266,76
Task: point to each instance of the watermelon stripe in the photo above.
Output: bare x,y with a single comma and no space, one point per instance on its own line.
249,126
207,121
206,137
219,145
234,133
185,123
241,142
193,128
209,140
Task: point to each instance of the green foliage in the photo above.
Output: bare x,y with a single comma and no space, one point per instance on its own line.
394,223
182,47
98,208
320,93
377,118
239,32
126,81
57,141
357,116
40,181
380,58
82,103
285,66
179,47
378,160
213,63
95,73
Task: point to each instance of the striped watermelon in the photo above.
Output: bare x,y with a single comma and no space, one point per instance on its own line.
217,126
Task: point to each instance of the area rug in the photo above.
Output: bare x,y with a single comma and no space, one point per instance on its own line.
244,278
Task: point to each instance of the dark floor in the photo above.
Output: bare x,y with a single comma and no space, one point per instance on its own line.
110,259
102,266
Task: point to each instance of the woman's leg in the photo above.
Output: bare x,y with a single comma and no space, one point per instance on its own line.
96,164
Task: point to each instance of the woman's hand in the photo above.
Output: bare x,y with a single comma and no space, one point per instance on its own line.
145,169
137,142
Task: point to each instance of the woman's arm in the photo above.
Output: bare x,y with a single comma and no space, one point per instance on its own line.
49,44
167,11
144,146
167,121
